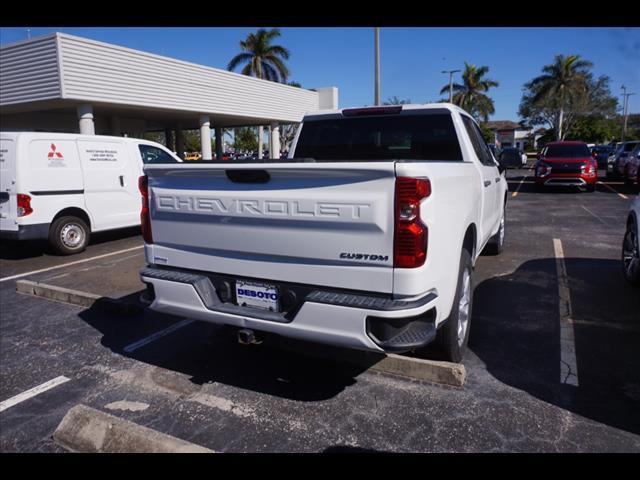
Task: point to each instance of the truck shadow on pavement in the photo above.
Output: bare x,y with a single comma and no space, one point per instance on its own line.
208,353
516,333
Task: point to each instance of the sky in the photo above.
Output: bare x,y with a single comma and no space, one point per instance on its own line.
412,58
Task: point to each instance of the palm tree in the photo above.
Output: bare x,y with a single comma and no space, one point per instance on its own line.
263,60
562,80
470,94
396,101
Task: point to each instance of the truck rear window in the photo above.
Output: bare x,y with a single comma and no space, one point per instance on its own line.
391,137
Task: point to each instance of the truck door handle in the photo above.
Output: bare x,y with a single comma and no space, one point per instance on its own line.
498,180
121,180
487,183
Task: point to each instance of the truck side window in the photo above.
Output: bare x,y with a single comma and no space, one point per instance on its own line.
477,140
152,154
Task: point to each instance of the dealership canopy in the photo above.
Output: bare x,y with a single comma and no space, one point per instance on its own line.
65,83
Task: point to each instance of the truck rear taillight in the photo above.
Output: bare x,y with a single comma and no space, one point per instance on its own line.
411,235
145,215
24,205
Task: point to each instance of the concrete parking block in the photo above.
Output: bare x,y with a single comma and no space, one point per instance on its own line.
74,297
410,368
86,430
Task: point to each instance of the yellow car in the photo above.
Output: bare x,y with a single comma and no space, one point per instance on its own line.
193,156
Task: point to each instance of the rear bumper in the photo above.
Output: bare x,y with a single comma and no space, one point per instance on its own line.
27,232
351,320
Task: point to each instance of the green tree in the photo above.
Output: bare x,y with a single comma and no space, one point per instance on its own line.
488,134
471,94
245,139
594,129
396,101
262,58
562,84
562,110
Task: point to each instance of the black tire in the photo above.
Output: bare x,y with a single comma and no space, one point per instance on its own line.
591,188
69,235
495,245
631,250
447,336
538,188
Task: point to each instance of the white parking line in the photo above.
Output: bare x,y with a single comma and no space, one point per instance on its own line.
568,364
154,336
596,216
515,194
621,195
77,262
32,392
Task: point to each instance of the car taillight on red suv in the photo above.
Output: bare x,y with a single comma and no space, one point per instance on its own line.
24,205
411,235
145,215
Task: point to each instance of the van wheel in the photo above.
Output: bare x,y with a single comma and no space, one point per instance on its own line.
453,336
69,235
496,243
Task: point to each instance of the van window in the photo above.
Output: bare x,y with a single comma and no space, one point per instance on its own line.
151,154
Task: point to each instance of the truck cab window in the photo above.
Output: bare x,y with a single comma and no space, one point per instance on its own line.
152,154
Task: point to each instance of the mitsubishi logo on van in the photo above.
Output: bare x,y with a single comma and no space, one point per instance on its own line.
54,152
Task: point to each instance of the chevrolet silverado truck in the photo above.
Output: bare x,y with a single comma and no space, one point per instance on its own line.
365,237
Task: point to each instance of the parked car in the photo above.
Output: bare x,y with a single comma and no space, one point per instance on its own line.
371,246
632,168
495,149
511,157
630,247
193,156
63,187
617,163
566,164
601,154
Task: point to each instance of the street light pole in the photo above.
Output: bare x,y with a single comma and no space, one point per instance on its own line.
377,73
626,104
450,72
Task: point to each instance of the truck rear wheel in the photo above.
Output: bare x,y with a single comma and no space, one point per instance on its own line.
69,235
453,336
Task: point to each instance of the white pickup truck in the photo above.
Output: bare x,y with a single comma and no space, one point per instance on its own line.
365,237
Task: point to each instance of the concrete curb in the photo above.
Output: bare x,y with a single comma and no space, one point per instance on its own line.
86,430
74,297
411,368
447,373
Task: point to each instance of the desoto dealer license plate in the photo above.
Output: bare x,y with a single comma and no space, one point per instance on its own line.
257,295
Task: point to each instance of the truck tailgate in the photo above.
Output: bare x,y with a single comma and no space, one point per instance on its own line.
326,224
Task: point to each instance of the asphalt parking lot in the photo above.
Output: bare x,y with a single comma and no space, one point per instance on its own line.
540,378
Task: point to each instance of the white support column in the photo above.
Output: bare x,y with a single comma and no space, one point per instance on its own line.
275,140
260,135
85,117
205,137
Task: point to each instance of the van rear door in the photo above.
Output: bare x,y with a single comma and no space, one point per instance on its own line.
8,205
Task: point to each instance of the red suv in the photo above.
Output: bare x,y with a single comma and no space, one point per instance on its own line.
565,164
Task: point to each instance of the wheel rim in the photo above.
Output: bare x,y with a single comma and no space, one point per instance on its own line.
630,253
463,307
72,235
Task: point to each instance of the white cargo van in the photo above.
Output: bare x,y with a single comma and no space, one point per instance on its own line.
62,187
